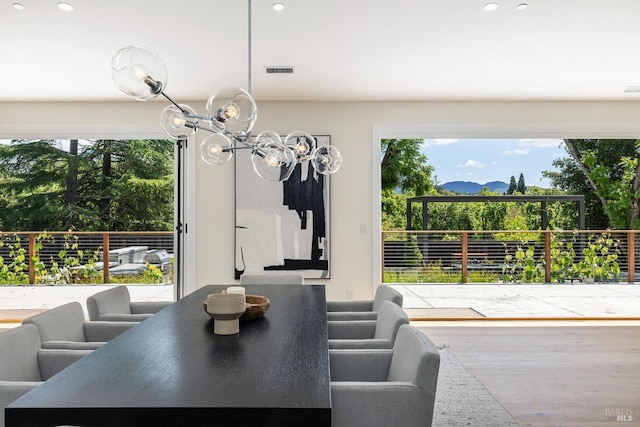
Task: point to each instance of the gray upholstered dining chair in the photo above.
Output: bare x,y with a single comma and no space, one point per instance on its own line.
64,327
115,304
379,333
268,278
363,309
394,387
24,365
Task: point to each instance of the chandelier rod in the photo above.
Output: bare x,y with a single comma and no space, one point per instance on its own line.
249,47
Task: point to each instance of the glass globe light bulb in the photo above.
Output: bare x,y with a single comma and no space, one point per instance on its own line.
301,149
273,161
176,124
301,143
232,110
326,159
216,149
138,72
178,120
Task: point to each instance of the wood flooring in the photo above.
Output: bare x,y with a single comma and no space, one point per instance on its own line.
553,375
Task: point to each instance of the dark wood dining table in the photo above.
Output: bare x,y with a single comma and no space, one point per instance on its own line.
172,370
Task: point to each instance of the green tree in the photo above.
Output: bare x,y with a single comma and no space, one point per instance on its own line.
512,185
109,185
560,215
133,184
610,170
404,167
34,186
570,180
405,173
467,215
71,196
520,188
146,205
394,211
492,214
455,216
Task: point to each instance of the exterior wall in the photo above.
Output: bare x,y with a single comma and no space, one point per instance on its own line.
355,128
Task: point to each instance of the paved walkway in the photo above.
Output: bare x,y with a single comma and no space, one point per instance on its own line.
528,301
558,301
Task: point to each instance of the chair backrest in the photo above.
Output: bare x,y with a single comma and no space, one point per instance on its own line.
19,354
415,359
386,293
115,300
272,279
63,323
390,318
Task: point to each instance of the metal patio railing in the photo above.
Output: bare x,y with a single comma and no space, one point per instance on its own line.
81,257
509,256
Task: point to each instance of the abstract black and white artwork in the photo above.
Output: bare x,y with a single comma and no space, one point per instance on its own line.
282,226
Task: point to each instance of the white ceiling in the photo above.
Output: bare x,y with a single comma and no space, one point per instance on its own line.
341,50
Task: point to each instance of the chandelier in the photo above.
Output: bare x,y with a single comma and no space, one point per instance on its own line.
230,116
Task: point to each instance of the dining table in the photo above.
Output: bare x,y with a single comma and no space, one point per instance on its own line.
172,370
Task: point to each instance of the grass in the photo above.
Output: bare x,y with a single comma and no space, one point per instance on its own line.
434,273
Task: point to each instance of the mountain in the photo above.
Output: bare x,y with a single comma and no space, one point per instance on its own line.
466,187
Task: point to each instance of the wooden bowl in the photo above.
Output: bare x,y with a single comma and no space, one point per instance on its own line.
256,306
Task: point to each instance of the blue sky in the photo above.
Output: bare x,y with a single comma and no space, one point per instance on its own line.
485,160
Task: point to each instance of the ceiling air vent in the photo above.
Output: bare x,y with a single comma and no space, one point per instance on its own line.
632,89
278,70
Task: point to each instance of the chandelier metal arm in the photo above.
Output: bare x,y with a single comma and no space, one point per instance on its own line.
185,112
238,139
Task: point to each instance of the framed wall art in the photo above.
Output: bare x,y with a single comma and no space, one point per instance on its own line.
282,226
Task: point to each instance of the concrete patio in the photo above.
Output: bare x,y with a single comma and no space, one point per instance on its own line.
563,301
421,301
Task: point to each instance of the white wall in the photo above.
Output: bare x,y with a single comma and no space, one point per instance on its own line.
355,128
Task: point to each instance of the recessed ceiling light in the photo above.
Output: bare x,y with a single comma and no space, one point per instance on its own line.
278,6
18,6
490,6
522,6
66,7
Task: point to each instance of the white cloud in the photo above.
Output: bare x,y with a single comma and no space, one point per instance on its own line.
472,164
517,151
445,141
542,143
438,142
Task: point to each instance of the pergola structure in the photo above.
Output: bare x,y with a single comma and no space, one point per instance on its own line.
543,200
